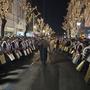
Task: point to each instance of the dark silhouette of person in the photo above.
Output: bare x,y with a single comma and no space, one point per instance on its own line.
43,48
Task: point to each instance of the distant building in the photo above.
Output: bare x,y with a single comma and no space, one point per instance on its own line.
15,19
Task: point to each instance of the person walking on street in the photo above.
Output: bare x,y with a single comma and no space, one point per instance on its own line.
43,48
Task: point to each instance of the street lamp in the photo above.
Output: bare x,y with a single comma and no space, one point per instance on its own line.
43,31
35,27
78,23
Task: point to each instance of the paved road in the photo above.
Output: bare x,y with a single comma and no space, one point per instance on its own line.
58,76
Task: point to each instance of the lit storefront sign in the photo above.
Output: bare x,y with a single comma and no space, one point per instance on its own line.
30,34
20,33
9,29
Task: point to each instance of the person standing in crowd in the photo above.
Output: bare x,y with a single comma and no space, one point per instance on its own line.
43,48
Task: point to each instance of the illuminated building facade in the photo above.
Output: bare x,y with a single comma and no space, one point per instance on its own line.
15,18
77,18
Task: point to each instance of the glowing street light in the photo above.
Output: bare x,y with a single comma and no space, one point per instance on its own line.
35,27
43,31
78,23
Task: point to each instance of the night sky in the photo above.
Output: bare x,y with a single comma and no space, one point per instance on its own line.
52,11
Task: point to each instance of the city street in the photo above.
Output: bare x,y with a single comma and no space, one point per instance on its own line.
35,31
57,76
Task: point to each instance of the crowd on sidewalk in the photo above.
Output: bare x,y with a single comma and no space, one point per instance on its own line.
13,48
79,50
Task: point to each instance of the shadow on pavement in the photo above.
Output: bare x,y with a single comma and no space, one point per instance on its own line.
59,76
47,78
7,74
8,80
16,64
5,70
